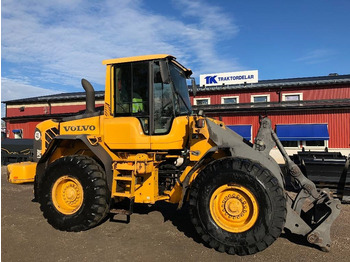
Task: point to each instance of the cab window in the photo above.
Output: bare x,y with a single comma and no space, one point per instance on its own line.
163,103
182,99
131,87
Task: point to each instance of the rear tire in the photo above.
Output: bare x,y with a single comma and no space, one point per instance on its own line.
74,195
237,206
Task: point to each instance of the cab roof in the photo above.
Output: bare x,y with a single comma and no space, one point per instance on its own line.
188,71
136,59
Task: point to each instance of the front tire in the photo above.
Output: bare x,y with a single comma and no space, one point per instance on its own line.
237,206
74,195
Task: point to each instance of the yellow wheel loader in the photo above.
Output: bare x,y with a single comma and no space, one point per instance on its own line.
147,145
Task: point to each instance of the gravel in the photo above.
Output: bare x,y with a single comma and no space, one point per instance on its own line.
154,233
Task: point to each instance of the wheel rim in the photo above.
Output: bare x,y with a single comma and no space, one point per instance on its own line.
67,195
234,208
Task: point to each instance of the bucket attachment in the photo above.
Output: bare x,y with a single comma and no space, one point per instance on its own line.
313,217
23,172
310,211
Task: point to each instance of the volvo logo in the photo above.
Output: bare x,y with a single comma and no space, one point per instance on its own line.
79,128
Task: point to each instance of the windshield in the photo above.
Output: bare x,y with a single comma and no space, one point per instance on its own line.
180,85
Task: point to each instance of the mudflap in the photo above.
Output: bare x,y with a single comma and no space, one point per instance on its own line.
311,212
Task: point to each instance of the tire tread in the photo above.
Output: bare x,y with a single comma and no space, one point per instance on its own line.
254,171
97,210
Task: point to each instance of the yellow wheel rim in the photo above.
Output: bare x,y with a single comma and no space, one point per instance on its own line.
67,195
234,208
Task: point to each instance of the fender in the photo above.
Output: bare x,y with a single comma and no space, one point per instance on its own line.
228,139
97,149
232,143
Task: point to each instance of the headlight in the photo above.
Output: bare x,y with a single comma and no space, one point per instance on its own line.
37,135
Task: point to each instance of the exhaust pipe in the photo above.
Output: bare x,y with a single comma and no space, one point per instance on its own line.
90,96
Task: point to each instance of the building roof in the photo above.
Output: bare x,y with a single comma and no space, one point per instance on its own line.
56,98
332,79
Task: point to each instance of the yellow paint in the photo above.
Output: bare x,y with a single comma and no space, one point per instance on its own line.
200,142
87,126
132,149
43,127
135,176
234,208
109,92
174,194
177,137
125,133
67,195
135,59
23,172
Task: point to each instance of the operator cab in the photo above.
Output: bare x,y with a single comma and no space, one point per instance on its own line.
151,88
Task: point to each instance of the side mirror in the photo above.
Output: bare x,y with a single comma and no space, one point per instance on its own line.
164,72
194,86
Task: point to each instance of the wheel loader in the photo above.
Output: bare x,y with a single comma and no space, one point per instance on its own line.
147,145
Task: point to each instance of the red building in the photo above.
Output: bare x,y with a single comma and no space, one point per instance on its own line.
22,115
312,112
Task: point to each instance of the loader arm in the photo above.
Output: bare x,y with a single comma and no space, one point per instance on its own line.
312,211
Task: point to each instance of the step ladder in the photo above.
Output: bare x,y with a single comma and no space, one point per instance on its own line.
124,180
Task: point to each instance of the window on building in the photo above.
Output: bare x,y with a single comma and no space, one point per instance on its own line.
260,98
292,97
303,135
230,100
306,143
202,101
315,143
291,143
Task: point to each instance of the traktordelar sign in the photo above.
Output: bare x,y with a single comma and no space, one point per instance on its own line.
231,78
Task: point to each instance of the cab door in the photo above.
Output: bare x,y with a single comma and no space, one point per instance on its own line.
127,126
169,127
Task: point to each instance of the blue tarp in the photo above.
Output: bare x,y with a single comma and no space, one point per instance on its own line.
243,130
300,132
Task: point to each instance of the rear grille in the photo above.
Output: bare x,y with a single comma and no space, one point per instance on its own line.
49,135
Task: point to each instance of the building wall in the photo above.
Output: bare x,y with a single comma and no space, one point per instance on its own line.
309,93
338,121
28,126
46,109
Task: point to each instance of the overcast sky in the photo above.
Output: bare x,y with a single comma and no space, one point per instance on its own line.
48,46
